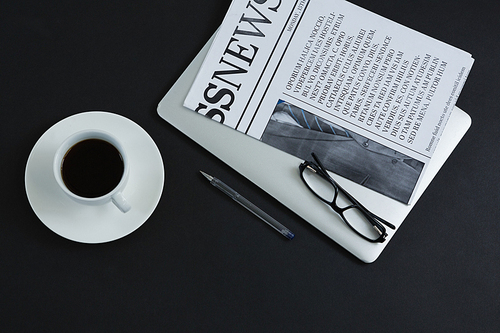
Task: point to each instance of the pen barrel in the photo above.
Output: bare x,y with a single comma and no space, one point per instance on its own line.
253,208
224,188
264,216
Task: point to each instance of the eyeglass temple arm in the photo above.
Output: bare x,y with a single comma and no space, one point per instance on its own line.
350,197
364,209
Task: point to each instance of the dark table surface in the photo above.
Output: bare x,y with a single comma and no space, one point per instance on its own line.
188,268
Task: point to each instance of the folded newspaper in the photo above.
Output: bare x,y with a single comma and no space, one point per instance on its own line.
369,96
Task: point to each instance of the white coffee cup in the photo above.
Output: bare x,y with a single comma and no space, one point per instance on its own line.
115,194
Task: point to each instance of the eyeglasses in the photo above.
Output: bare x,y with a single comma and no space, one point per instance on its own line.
358,218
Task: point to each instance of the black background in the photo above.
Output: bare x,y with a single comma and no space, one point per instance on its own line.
202,263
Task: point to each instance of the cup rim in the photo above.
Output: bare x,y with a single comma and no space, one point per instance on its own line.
77,137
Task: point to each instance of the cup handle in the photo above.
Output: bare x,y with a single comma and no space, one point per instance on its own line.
120,202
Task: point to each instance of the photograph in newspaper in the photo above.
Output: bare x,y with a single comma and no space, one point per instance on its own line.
344,152
377,79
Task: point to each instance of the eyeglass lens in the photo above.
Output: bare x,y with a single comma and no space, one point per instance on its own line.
319,185
352,215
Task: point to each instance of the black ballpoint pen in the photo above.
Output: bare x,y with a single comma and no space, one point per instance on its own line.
250,206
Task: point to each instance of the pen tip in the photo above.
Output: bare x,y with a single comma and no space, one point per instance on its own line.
207,175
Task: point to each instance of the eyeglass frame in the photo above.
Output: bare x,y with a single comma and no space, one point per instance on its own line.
374,220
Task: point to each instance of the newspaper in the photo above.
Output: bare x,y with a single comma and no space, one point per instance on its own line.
369,96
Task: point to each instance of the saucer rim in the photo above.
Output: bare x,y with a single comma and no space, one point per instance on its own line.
106,119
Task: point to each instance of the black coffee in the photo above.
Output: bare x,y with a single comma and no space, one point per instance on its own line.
92,168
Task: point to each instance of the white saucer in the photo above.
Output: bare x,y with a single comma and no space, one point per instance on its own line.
95,224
